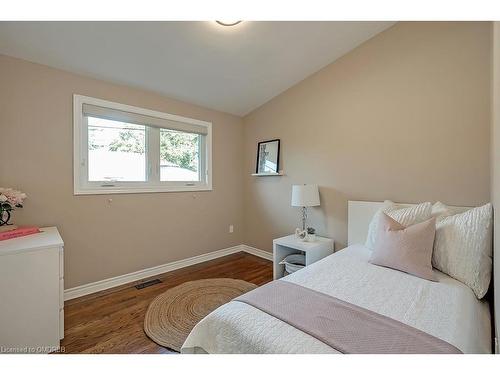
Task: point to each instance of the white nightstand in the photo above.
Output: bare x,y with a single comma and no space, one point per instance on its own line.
313,251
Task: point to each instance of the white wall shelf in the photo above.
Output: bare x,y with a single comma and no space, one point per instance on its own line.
268,174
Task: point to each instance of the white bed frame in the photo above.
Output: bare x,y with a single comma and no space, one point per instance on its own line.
360,214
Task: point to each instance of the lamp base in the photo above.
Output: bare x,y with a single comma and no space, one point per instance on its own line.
304,217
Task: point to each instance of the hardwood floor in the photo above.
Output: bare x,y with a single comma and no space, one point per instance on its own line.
112,321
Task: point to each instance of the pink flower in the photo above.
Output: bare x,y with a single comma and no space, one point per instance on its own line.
11,196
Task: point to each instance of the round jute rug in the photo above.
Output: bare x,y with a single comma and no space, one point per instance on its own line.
172,315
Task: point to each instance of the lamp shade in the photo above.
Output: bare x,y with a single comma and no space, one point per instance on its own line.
305,195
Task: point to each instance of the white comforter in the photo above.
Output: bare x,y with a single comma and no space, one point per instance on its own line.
446,309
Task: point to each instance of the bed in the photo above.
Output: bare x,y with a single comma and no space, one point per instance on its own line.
448,310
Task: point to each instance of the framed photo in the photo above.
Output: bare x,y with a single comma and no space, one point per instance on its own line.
268,156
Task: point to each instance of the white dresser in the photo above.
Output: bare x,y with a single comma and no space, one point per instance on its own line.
31,293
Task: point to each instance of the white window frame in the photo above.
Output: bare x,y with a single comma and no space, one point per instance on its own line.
153,184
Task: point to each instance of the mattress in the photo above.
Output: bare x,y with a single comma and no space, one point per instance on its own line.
446,309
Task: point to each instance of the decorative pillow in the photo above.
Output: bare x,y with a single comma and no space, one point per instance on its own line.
407,249
404,215
463,247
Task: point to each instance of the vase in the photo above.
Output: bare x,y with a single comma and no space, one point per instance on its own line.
4,217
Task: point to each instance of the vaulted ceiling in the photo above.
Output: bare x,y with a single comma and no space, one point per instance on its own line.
231,69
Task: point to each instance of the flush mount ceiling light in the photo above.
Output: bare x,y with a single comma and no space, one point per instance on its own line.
228,23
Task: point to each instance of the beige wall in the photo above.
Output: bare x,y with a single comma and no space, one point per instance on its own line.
135,231
405,116
495,164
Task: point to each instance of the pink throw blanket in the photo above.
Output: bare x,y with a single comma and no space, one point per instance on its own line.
345,327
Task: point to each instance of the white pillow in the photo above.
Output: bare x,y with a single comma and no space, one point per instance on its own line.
405,216
441,209
463,247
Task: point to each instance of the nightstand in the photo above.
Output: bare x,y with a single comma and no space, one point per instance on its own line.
313,251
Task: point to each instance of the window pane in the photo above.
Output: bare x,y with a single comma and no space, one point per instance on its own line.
116,151
179,156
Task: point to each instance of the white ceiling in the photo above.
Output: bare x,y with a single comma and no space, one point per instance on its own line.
231,69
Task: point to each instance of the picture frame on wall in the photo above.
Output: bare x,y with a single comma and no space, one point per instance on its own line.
268,157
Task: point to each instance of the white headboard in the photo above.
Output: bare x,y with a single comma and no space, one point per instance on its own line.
359,215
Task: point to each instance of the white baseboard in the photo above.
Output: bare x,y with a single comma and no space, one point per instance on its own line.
257,252
83,290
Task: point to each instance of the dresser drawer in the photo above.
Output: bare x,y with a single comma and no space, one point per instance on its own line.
30,295
32,292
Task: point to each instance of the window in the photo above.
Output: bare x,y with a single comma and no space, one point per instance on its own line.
124,149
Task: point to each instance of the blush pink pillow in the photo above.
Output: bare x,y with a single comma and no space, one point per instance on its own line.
407,249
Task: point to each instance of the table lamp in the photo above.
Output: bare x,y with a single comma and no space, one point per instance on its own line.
305,196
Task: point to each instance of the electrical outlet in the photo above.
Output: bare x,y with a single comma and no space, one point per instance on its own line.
231,228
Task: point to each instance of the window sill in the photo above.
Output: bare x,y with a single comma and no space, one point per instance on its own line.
128,190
